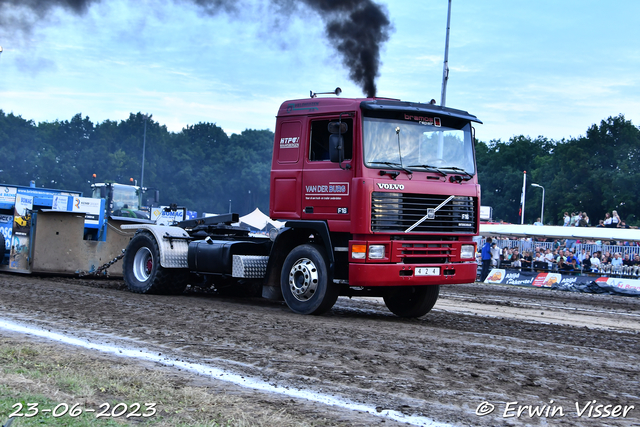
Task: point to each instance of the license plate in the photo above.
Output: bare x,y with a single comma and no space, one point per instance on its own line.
427,271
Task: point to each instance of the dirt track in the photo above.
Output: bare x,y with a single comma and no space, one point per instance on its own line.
481,343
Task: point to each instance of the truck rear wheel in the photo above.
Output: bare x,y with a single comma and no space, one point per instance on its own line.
143,273
305,281
412,301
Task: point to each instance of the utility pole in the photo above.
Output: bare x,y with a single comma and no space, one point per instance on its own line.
445,72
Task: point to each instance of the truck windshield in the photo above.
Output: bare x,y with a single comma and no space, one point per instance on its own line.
125,197
416,146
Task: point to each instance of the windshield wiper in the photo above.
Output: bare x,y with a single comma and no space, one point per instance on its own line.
393,164
431,168
460,170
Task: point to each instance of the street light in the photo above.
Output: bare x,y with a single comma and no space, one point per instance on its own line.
541,210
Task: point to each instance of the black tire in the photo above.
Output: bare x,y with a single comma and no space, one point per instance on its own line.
305,281
412,301
143,273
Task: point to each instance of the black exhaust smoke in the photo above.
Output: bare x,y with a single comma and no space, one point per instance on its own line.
355,28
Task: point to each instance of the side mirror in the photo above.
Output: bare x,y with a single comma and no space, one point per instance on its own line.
156,196
103,192
336,148
338,127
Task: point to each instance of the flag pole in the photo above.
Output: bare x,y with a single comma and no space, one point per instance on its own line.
524,190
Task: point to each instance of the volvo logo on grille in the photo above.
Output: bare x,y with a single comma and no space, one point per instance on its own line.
385,186
431,213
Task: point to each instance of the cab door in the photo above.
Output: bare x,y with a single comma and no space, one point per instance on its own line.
326,185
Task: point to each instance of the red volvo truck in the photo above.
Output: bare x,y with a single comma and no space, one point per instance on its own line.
379,196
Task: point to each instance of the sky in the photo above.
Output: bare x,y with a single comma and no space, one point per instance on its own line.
536,68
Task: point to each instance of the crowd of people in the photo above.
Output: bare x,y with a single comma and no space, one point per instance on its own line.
565,255
562,260
581,219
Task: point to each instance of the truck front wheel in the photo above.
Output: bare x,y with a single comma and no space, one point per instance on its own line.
412,301
143,273
305,281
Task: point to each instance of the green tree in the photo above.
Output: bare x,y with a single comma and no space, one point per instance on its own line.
501,167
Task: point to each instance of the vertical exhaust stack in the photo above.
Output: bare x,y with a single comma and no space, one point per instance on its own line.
355,28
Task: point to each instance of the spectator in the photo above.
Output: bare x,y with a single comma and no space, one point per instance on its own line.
582,255
557,255
586,263
536,253
573,222
566,219
616,261
607,220
495,255
510,254
636,259
595,261
527,260
562,266
571,260
515,258
615,219
486,259
537,222
627,260
585,220
549,255
623,225
600,223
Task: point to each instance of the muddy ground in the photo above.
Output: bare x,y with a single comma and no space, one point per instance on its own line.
481,343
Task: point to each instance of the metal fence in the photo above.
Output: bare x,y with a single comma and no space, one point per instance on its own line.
529,245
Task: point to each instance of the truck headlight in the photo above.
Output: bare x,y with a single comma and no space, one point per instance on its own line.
376,252
467,251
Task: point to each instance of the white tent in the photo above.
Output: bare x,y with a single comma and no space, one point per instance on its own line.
260,221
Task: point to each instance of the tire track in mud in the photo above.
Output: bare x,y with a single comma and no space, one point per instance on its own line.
441,366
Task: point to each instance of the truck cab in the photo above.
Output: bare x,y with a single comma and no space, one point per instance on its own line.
395,182
121,200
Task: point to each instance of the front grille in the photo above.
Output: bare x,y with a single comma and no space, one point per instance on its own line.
425,253
396,212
